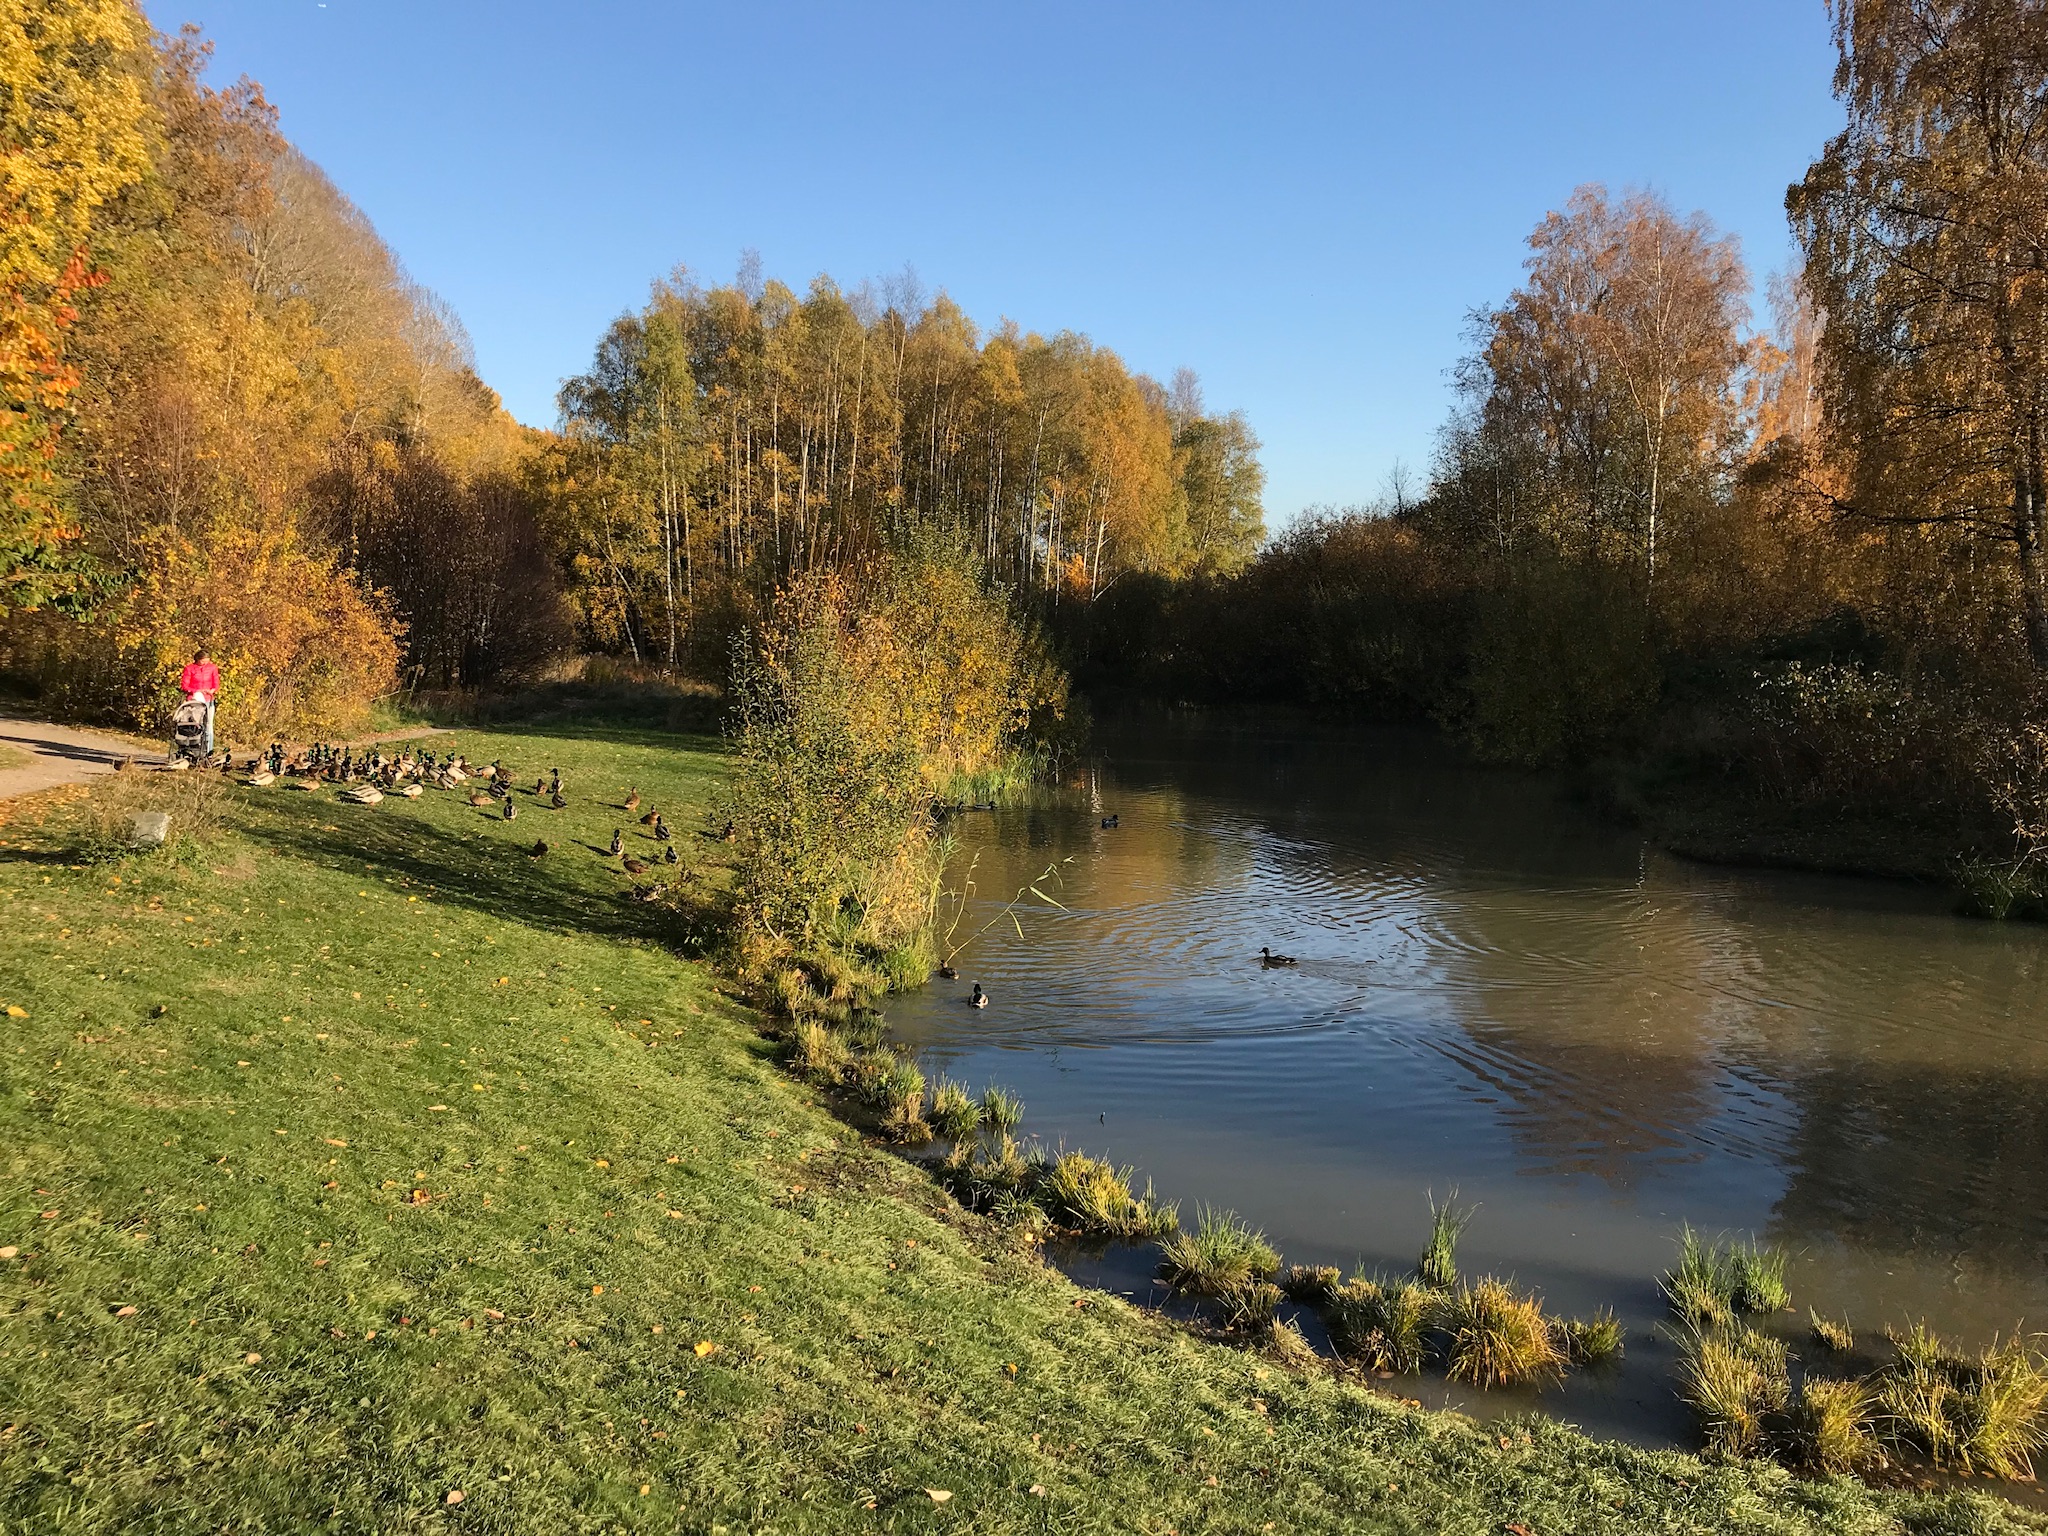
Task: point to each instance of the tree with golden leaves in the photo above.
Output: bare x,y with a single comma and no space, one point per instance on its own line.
73,137
1925,230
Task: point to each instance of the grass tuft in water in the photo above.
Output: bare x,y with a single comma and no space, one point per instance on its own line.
954,1113
1757,1275
1385,1325
1313,1285
1986,1415
1092,1196
1734,1378
1831,1427
1713,1283
1220,1256
1001,1112
1826,1333
1438,1265
1592,1340
816,1051
1499,1338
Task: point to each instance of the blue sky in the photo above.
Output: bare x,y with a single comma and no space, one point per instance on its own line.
1300,201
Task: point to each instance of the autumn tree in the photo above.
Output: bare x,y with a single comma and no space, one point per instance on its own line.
1604,391
1925,230
74,135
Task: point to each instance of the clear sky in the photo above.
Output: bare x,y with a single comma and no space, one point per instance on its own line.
1300,201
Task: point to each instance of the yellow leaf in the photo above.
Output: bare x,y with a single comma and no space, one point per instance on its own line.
939,1495
16,1011
706,1347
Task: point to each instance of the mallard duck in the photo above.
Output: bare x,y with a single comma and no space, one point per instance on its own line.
511,810
661,831
363,794
648,892
947,973
260,777
632,866
651,819
411,791
618,844
480,800
668,855
632,801
1268,959
540,785
1108,823
539,848
980,998
557,800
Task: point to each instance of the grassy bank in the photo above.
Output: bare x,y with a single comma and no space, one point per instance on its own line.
365,1172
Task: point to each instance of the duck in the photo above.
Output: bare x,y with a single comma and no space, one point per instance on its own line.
980,998
479,800
651,819
1109,823
632,866
540,847
540,785
668,855
661,831
511,810
632,801
1268,959
947,973
557,800
618,844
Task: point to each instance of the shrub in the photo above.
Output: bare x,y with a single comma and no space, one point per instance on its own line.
196,801
1221,1255
1498,1338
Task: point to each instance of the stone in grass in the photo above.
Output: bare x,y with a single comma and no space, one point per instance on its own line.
150,828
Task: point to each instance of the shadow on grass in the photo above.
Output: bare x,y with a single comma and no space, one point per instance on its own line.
570,889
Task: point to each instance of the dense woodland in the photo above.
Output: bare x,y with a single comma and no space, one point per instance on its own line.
1795,559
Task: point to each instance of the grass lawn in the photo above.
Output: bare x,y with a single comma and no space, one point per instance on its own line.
364,1173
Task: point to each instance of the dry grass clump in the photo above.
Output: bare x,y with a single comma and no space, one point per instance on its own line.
1091,1196
1735,1378
1220,1256
1985,1415
197,802
1831,1427
1313,1285
1826,1333
815,1050
1385,1325
954,1113
1499,1338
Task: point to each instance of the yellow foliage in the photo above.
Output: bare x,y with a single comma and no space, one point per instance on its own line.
301,647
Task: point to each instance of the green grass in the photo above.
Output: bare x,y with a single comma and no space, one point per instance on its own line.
427,1166
1222,1255
1438,1265
1499,1338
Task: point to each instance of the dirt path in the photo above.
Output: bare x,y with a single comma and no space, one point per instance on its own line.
58,754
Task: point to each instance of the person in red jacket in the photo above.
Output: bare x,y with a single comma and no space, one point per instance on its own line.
201,680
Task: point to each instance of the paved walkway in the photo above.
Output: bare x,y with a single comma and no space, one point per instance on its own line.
63,754
59,754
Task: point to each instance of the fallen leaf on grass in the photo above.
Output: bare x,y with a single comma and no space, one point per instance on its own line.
125,1311
939,1495
454,1496
9,1252
16,1011
1516,1528
252,1358
334,1141
706,1347
494,1314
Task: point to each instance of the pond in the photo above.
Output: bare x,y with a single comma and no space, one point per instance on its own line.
1500,993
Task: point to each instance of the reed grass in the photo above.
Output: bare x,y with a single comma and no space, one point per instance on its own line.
1734,1378
815,1050
1093,1197
1438,1265
1312,1285
1715,1282
1988,1414
1756,1274
1252,1307
954,1113
1593,1340
1499,1338
1830,1427
1001,1112
1220,1256
1826,1333
1385,1325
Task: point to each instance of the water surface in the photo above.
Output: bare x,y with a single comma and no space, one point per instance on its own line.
1499,992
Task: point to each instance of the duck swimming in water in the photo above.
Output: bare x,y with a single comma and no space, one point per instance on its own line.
980,998
1268,959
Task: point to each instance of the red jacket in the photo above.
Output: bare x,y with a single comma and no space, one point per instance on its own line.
201,678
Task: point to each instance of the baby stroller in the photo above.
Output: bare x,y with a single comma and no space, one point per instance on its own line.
188,730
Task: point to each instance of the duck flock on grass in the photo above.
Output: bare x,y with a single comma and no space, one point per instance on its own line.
372,775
